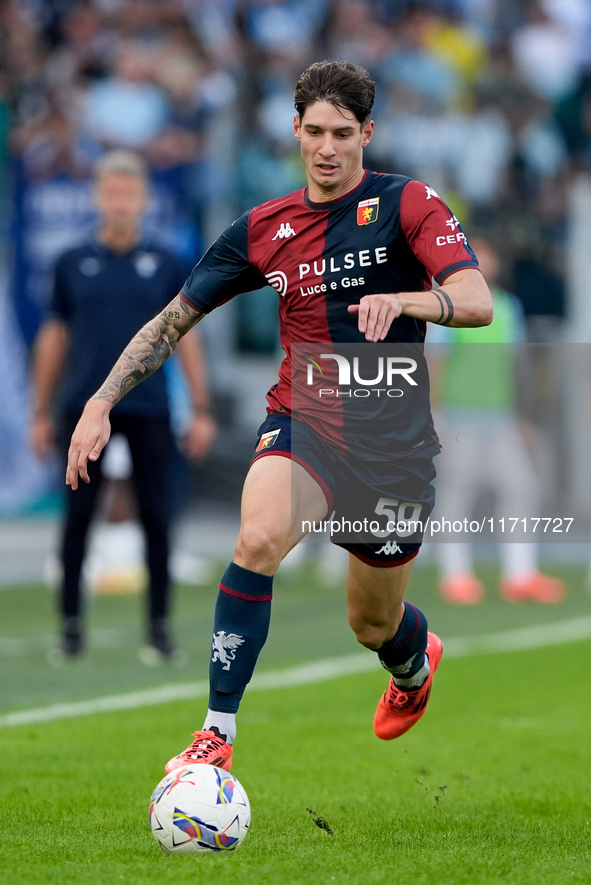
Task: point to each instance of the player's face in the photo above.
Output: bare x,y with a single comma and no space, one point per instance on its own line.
331,145
120,200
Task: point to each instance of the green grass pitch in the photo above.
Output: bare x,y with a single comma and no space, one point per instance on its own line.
492,786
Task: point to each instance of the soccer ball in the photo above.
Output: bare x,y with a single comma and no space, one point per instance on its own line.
199,808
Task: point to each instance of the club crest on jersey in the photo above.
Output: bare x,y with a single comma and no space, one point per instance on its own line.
367,211
267,440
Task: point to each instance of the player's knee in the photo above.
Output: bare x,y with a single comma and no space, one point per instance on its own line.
370,632
259,549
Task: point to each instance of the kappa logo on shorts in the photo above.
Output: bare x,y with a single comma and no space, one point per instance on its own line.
268,439
367,211
389,548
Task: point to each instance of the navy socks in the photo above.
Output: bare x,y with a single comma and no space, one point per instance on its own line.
404,655
241,625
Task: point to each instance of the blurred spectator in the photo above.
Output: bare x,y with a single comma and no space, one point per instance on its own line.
546,51
413,64
459,44
355,32
484,446
283,24
127,108
118,271
573,116
487,100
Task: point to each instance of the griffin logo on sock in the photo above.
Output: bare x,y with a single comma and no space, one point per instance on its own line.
268,439
224,647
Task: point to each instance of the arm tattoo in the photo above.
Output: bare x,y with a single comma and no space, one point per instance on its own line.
148,350
446,305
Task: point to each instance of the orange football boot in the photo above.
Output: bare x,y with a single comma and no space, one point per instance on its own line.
537,588
208,748
399,710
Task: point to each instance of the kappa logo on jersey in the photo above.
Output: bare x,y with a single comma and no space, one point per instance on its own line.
267,440
367,211
285,231
389,548
278,280
452,222
431,192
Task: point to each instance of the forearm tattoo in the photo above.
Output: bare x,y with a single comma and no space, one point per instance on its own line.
447,309
148,350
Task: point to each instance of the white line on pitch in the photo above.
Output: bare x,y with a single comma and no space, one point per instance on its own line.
572,630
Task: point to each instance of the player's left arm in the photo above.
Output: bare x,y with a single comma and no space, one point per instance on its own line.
463,299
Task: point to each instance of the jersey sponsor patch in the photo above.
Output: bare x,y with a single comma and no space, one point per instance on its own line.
267,440
367,210
278,280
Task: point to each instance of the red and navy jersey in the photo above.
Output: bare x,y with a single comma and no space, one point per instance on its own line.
390,234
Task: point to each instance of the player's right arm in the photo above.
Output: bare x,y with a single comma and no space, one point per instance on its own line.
145,353
223,272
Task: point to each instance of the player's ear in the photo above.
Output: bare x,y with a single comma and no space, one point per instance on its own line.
367,132
296,126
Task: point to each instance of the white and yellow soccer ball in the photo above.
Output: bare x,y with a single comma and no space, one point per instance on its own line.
199,808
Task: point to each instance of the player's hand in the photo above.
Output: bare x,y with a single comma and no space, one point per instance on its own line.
376,313
88,440
42,436
198,439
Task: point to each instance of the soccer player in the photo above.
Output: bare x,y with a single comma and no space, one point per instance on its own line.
411,264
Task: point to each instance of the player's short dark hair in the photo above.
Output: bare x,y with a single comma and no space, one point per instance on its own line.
343,84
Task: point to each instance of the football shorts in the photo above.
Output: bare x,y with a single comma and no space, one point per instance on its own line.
377,510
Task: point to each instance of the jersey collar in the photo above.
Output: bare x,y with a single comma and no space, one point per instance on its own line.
351,196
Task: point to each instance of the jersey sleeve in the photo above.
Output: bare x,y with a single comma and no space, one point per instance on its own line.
59,304
433,232
224,271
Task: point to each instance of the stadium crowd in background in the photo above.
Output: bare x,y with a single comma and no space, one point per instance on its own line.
487,100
